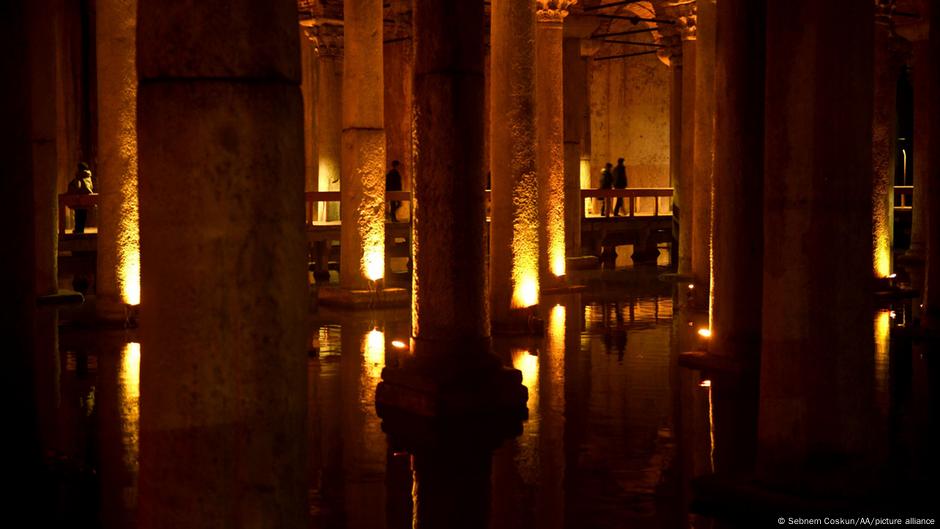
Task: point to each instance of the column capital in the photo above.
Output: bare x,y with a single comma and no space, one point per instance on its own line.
685,14
672,53
552,10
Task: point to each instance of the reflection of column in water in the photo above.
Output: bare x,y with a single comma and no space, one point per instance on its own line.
364,445
118,393
528,364
129,394
451,489
550,507
48,374
325,417
882,348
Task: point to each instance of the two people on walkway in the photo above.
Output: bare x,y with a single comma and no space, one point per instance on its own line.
613,178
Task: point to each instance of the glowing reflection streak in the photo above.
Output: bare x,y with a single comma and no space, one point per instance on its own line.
129,402
882,348
528,364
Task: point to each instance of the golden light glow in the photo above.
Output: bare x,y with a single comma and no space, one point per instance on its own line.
882,347
705,383
525,289
128,230
373,347
129,395
367,207
398,344
585,178
705,333
528,364
556,218
373,261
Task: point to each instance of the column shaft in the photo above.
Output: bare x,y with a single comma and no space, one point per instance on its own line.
932,289
223,335
703,155
817,217
675,149
575,102
738,212
921,73
117,280
686,157
329,125
363,156
514,232
550,153
308,87
884,147
449,297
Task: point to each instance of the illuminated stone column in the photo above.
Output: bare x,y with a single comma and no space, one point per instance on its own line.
329,110
514,224
223,332
686,175
703,155
921,72
817,358
362,239
738,213
674,55
576,109
887,68
117,282
550,139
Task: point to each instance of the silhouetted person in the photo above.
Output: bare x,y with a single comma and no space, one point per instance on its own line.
81,185
607,182
620,182
393,183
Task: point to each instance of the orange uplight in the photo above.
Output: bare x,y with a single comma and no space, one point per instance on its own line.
705,333
398,344
705,383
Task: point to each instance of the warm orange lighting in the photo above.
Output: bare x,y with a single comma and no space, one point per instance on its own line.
705,383
373,262
129,398
892,276
691,286
526,290
374,348
882,346
893,315
705,333
528,364
398,344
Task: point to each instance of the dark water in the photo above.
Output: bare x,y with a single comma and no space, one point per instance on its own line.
615,433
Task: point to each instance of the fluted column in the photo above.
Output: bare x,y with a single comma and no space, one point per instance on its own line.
686,181
514,225
223,333
362,237
703,156
329,35
117,282
817,217
550,153
575,102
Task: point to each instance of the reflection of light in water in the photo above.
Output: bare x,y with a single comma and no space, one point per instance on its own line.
527,458
705,333
555,363
528,364
711,425
129,395
373,345
882,343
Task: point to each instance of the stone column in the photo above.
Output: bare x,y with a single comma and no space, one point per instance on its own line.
686,182
575,103
117,282
674,54
884,145
308,88
703,155
362,238
223,336
43,138
814,404
399,75
329,110
932,181
452,371
738,213
921,71
514,224
550,138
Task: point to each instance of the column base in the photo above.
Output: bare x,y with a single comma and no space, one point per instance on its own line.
60,298
363,299
422,392
583,262
111,310
519,322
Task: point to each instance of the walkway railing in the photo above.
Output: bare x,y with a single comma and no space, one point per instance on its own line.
631,196
314,198
903,198
67,202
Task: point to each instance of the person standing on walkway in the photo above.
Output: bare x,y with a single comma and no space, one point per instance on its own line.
81,185
393,183
620,182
